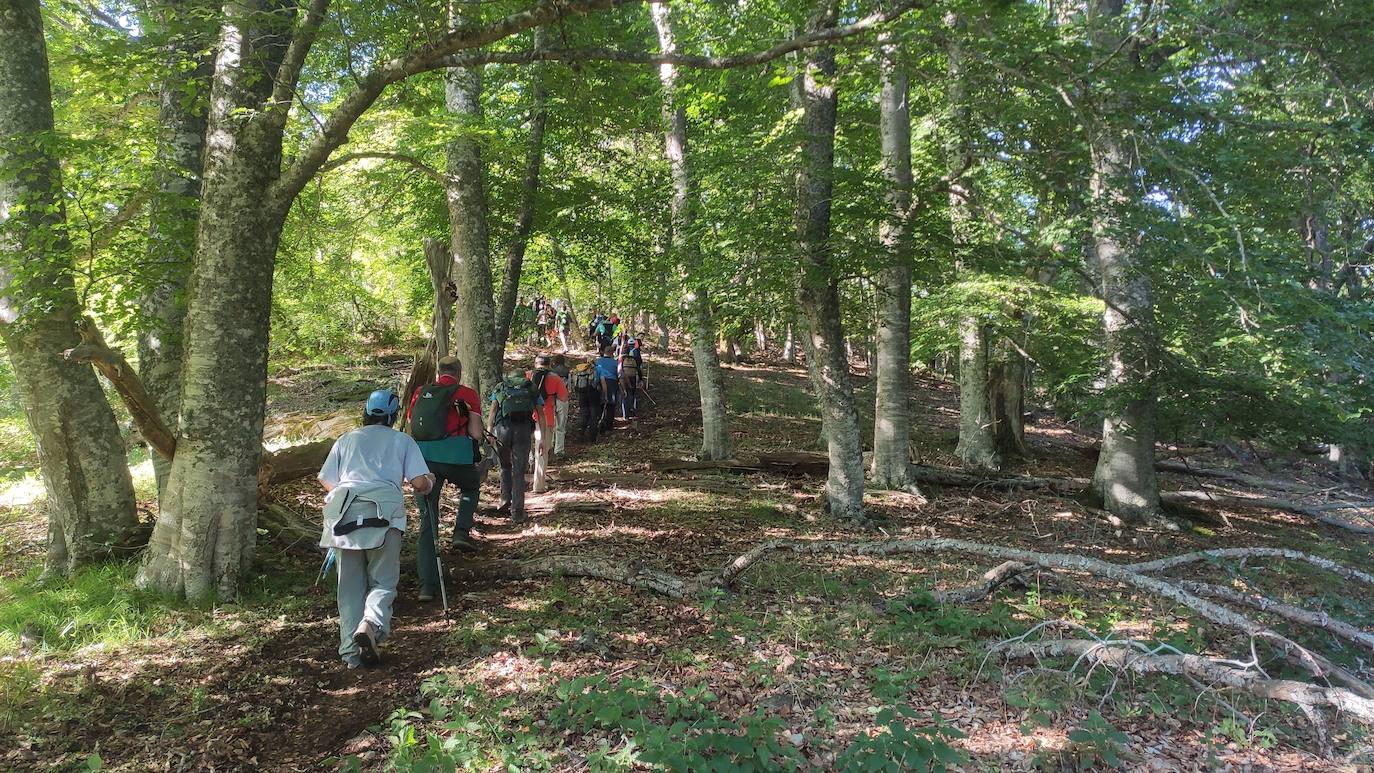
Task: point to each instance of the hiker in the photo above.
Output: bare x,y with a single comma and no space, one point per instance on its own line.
621,342
588,389
631,372
365,520
446,422
554,393
560,428
511,416
603,332
564,321
608,374
593,325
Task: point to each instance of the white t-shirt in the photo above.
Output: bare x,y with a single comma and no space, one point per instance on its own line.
373,454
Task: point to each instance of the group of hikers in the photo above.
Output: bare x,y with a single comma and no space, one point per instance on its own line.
451,441
547,321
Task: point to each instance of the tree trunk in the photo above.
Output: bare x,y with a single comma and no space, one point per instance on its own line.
818,292
760,337
560,265
204,538
891,417
82,456
474,329
977,444
1006,395
716,442
529,192
440,263
976,449
789,345
174,209
1125,476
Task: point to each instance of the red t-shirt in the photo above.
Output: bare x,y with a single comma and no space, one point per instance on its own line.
457,422
554,389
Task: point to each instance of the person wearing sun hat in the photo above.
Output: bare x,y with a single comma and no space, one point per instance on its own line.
365,519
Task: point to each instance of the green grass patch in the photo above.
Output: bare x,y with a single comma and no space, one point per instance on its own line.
96,605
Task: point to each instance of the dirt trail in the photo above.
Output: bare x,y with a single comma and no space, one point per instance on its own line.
330,708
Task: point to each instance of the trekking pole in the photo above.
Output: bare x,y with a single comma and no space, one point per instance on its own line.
649,394
438,562
329,557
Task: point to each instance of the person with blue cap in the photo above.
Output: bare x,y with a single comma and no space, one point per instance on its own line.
365,519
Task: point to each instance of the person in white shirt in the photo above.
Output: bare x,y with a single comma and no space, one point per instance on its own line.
365,519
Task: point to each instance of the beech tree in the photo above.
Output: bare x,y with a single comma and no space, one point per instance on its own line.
83,457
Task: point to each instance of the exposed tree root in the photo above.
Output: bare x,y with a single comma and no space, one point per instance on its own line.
1141,658
1277,484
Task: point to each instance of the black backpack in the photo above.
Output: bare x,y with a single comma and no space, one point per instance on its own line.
429,416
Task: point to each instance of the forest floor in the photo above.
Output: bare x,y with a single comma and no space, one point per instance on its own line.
812,661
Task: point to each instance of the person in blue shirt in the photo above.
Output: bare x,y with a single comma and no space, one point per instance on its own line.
608,373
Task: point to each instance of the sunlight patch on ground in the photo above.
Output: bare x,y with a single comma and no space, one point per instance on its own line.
22,493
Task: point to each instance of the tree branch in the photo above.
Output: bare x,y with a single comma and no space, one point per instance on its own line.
777,51
289,72
1126,655
113,366
431,57
418,164
441,54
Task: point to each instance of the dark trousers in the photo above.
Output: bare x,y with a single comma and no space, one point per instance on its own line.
629,404
609,407
469,483
513,438
589,412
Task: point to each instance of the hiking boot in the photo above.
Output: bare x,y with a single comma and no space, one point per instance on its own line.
518,520
426,594
464,542
367,644
503,508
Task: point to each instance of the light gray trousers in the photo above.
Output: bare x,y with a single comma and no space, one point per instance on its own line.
367,588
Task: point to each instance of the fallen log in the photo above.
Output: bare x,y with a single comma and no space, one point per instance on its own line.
1128,656
291,463
1316,513
1235,476
946,477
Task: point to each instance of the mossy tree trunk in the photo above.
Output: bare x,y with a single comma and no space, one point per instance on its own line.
82,457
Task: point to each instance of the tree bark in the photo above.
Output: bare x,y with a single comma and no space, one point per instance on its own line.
891,416
474,331
204,538
1125,476
789,345
818,291
977,449
440,263
716,442
529,193
83,459
175,207
1007,398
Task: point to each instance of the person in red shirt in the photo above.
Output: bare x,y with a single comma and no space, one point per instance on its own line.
464,419
551,387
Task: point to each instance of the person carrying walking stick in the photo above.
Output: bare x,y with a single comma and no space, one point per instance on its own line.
446,422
